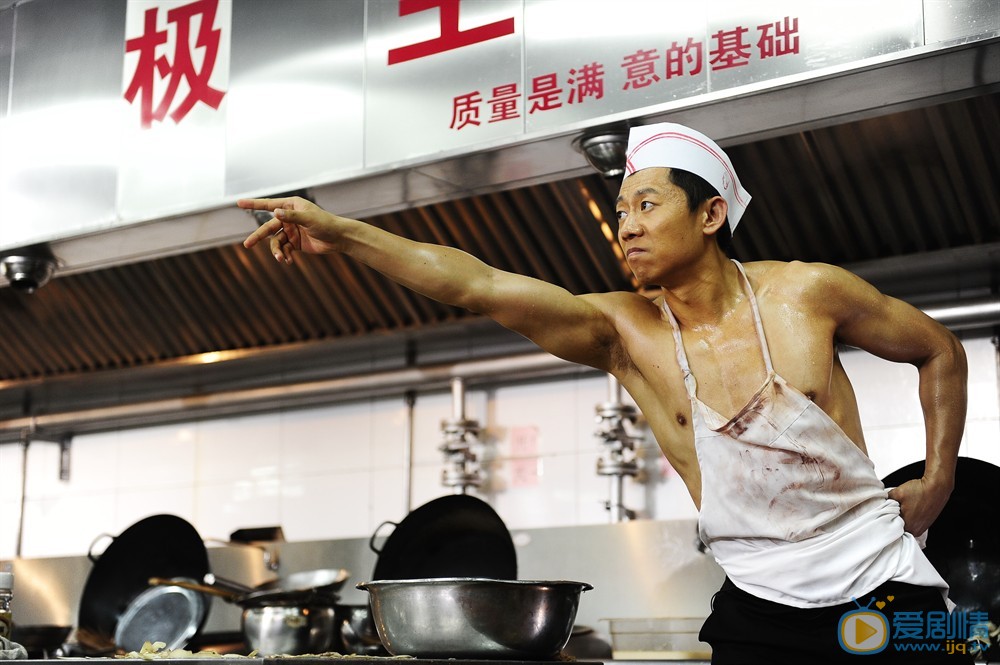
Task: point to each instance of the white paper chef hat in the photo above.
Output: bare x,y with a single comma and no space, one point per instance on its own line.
675,146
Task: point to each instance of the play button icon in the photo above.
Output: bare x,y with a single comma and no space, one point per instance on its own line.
863,631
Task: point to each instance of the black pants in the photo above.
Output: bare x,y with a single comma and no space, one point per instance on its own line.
744,629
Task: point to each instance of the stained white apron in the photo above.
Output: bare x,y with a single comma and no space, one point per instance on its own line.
791,508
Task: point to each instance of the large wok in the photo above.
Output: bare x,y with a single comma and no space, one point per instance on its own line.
964,543
118,608
452,536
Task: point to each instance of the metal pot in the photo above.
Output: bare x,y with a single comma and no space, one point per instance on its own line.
290,629
474,617
358,635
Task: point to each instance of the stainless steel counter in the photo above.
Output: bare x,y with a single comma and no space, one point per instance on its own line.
643,568
302,660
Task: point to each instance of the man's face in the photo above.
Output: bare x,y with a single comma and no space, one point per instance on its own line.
656,229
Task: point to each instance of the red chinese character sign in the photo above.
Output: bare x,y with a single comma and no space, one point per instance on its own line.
174,83
584,61
582,65
451,37
194,32
441,75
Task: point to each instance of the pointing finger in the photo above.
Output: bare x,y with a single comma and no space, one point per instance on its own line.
266,229
261,204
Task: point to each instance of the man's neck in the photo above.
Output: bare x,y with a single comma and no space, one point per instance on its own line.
707,295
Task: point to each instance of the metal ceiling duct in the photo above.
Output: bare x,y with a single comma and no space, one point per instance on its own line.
907,201
529,366
967,314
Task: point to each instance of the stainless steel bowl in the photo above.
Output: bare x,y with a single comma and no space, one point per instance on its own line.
461,617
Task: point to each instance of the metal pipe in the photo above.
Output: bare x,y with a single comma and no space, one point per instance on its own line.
19,541
410,398
272,398
618,511
965,314
462,470
972,313
65,457
458,398
931,267
617,459
614,390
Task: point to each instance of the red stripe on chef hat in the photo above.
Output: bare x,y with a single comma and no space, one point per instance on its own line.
675,146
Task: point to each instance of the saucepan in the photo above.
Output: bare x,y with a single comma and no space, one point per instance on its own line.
293,615
474,618
358,634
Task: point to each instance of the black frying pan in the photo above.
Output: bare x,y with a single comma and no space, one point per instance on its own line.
452,536
964,543
41,641
118,584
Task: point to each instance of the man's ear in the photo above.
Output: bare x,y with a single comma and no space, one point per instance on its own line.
716,210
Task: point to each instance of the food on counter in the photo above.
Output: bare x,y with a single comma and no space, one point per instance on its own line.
333,655
156,651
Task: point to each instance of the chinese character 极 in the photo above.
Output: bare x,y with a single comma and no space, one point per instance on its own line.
181,69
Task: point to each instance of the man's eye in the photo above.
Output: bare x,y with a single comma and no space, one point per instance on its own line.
620,214
646,205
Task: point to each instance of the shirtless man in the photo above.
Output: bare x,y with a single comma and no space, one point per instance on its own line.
768,439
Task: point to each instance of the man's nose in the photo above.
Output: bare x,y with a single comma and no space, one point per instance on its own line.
628,228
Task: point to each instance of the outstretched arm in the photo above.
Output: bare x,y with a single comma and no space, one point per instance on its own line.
897,331
572,327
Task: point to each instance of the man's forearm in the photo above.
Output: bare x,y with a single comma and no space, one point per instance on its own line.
442,273
943,398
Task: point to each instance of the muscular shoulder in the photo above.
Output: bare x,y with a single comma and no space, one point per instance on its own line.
769,273
815,282
636,321
623,305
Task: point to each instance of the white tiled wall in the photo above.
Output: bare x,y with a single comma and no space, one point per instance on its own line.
891,415
337,471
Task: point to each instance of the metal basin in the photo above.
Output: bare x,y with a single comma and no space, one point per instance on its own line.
462,617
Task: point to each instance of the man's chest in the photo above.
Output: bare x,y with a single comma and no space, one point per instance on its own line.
730,363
